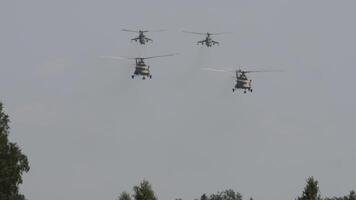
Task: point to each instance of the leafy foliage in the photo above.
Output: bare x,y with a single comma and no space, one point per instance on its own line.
223,195
231,195
124,196
144,191
12,163
226,195
311,190
204,197
351,196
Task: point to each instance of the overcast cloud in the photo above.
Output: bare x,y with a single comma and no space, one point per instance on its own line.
91,132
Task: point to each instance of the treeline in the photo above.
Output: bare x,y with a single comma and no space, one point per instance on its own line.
144,191
311,191
13,163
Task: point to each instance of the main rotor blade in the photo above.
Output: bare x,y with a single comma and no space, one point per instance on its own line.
117,58
194,32
158,30
221,33
215,70
255,71
128,30
143,31
160,56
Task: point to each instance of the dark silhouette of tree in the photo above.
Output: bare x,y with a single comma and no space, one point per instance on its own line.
226,195
124,196
351,196
144,191
311,190
12,162
231,195
204,197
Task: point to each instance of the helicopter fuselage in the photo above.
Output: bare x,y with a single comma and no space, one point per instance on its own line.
208,41
143,70
242,82
142,39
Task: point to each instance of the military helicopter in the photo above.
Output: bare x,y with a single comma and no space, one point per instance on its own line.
242,82
208,41
141,68
142,39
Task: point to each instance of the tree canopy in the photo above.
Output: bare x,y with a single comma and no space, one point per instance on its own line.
228,194
124,196
144,191
351,196
12,162
311,190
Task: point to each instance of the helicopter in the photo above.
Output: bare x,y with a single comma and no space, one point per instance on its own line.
141,68
208,41
242,82
142,39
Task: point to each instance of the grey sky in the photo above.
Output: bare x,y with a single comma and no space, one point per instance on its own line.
91,132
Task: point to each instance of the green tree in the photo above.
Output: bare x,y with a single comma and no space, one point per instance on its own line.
215,197
352,195
124,196
226,195
144,191
204,197
12,162
231,195
311,190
